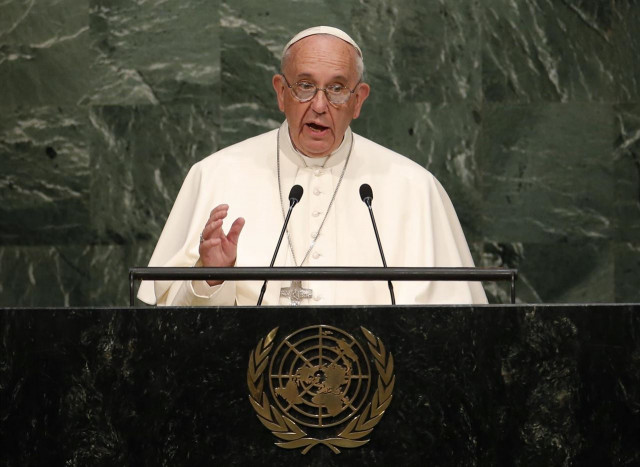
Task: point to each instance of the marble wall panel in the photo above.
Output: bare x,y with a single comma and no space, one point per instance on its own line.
154,51
577,272
44,55
626,40
627,272
44,275
27,21
272,24
44,181
248,102
140,156
546,172
109,271
420,51
69,275
541,50
626,166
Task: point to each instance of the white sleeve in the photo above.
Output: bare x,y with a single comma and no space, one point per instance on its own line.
199,293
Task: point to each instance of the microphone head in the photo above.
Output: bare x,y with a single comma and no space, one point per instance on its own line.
366,193
295,194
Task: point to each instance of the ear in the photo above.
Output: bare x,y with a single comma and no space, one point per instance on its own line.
360,96
279,87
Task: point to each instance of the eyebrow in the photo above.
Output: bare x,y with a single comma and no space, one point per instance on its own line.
334,78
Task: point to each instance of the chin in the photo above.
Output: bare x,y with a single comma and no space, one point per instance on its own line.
316,150
317,153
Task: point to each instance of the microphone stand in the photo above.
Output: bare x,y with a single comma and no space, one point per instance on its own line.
384,262
367,196
294,197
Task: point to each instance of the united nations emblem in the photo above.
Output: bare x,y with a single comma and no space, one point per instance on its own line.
319,380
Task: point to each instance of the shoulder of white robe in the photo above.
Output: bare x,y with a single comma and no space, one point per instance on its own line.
173,242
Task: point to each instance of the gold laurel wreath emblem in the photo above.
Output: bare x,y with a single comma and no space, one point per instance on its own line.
289,432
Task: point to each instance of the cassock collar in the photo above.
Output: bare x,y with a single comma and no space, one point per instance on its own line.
295,157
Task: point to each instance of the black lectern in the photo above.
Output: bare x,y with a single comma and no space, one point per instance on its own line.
426,385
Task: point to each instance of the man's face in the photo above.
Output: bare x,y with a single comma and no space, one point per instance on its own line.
317,127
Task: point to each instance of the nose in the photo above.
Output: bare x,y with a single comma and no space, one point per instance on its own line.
319,102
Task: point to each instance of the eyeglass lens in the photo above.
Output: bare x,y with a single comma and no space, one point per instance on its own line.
306,91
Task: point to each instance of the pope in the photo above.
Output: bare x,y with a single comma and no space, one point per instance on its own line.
321,90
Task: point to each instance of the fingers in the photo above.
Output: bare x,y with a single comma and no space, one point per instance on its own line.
215,221
212,242
234,231
216,248
212,229
219,212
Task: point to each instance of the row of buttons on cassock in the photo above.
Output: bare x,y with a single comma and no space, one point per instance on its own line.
315,255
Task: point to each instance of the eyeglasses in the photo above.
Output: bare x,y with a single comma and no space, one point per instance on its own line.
304,91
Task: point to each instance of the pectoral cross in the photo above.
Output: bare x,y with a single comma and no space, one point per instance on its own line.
296,293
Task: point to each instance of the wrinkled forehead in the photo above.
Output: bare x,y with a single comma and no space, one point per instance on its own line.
323,50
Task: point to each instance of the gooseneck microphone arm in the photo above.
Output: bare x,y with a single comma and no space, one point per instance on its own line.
294,198
366,194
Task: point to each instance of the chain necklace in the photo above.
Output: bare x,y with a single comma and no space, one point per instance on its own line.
313,242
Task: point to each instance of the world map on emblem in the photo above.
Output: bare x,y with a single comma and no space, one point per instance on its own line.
320,376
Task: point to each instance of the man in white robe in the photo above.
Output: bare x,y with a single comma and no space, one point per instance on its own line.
320,91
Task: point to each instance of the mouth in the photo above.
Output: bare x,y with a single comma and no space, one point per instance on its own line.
316,127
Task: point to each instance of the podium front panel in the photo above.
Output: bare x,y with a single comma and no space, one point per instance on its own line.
483,385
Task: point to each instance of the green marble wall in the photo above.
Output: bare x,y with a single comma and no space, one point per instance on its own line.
528,111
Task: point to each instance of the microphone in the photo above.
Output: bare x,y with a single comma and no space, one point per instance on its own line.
294,198
366,194
295,195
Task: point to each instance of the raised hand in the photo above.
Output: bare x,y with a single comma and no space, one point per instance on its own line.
217,249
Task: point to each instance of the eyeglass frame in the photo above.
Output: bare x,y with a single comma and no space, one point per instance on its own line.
290,86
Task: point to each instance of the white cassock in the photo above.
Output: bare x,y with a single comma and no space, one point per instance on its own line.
416,220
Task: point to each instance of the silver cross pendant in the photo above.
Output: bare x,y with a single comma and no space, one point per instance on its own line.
296,293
